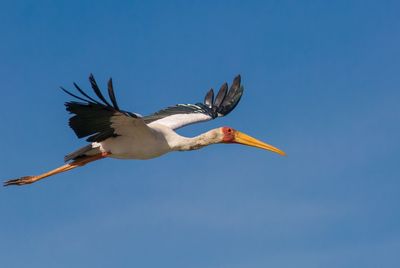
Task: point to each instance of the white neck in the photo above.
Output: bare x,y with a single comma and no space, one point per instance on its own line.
180,143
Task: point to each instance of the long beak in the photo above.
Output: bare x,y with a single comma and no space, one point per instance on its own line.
250,141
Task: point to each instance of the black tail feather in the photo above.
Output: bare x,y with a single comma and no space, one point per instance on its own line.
78,153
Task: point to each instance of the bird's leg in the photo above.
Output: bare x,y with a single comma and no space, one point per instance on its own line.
77,163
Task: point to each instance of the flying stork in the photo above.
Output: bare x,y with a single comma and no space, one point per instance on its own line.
112,132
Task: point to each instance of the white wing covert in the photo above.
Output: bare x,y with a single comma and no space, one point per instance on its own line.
182,115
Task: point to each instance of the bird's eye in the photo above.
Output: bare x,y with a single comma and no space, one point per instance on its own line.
229,130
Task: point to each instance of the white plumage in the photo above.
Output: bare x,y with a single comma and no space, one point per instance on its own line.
115,133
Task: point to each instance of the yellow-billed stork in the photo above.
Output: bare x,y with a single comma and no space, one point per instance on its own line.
115,133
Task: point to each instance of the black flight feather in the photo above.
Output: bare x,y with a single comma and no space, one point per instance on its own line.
73,95
91,117
209,98
221,95
232,98
111,94
84,94
96,90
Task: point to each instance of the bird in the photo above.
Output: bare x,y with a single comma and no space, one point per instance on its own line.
115,133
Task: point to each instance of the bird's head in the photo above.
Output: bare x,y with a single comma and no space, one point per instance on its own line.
230,135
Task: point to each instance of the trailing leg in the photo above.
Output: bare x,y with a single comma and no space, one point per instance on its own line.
77,163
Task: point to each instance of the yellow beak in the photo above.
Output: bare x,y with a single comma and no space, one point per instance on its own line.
250,141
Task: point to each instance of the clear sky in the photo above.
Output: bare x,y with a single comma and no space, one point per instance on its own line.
321,82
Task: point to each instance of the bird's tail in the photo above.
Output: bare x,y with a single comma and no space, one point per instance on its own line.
77,163
90,149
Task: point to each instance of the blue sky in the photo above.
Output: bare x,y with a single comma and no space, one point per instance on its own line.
321,82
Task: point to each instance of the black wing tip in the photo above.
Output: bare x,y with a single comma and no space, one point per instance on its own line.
226,100
111,94
237,78
236,81
90,116
102,100
209,98
91,78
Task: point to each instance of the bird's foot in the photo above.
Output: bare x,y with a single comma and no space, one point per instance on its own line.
21,181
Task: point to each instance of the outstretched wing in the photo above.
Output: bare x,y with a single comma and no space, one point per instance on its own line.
182,115
99,119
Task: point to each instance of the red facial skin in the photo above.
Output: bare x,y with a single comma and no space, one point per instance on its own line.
229,134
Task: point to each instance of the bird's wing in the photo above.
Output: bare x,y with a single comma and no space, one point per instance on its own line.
182,115
99,119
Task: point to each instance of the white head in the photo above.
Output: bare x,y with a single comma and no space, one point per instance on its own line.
224,135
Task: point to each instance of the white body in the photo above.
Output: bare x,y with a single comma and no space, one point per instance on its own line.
141,145
153,141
